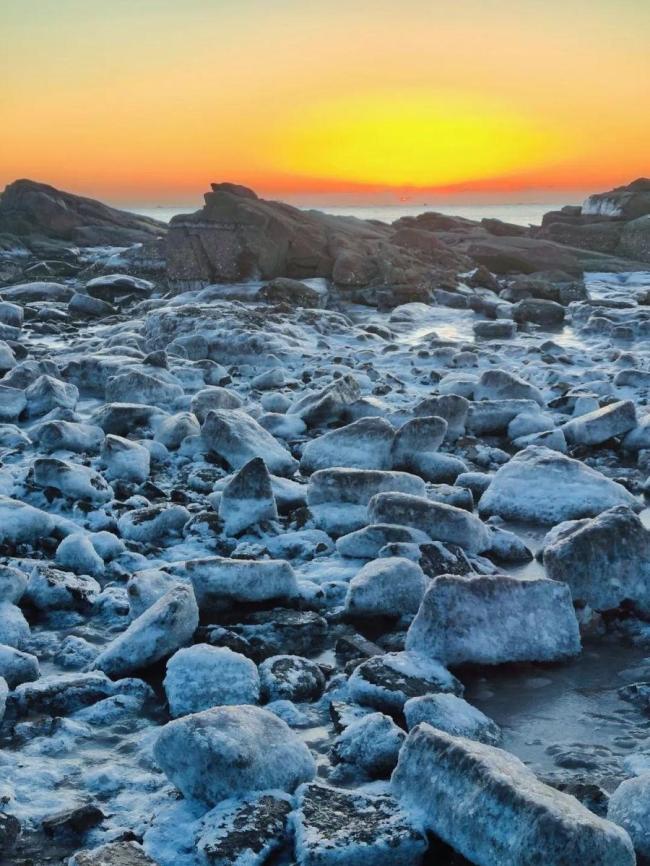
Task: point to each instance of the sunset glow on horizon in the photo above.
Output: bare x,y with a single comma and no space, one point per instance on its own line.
135,100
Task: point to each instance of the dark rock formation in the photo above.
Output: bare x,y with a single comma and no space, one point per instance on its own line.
625,202
35,211
237,236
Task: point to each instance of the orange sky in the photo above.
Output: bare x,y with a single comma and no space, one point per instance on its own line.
150,100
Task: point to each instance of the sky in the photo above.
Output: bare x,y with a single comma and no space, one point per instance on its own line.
151,100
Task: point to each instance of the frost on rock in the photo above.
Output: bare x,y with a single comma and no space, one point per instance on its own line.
386,682
203,676
13,582
220,583
230,751
21,523
53,589
492,809
369,746
18,667
598,426
439,521
393,586
247,498
163,628
287,677
153,523
453,715
244,832
364,444
604,561
113,854
494,619
71,480
339,828
125,460
14,628
542,486
238,438
629,807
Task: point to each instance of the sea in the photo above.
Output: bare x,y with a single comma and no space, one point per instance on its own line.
523,214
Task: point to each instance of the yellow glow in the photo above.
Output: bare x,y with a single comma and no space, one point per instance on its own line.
412,139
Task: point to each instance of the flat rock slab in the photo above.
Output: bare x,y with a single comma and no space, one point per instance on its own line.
493,810
335,827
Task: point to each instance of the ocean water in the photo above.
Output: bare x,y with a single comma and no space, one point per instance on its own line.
523,214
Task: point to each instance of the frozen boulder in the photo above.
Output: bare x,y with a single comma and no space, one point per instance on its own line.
163,628
364,444
17,667
13,583
62,694
14,628
140,387
369,746
452,408
125,418
493,810
125,460
493,619
597,427
420,435
386,587
77,553
244,832
501,385
238,438
439,521
220,583
172,430
604,561
47,393
453,715
71,480
629,807
70,436
204,676
232,751
386,682
214,398
542,486
113,854
53,589
292,678
367,542
12,403
329,405
152,524
333,827
493,417
247,498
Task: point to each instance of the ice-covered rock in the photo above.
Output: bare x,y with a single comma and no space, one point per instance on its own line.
439,521
113,854
232,751
329,405
18,667
289,677
174,429
390,587
12,403
125,460
369,746
542,486
367,542
71,480
4,691
125,418
214,398
492,619
145,388
61,694
204,676
13,582
21,523
494,811
605,560
450,407
14,628
364,444
244,831
220,583
51,588
238,438
153,523
502,385
334,827
70,436
163,628
78,553
597,427
629,807
453,715
386,682
247,498
48,393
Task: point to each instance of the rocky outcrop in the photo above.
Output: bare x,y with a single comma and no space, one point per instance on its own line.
237,236
36,211
625,202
